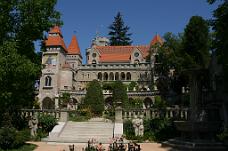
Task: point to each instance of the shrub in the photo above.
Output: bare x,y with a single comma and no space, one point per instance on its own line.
159,129
224,135
47,122
154,130
129,130
80,115
11,138
94,98
132,85
135,104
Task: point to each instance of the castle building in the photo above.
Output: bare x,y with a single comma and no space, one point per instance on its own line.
63,70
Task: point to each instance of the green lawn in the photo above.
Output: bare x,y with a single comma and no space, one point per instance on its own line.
26,147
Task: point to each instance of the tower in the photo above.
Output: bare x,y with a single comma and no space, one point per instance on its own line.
52,61
74,57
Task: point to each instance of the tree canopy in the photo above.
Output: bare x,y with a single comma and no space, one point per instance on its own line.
196,43
94,98
120,93
118,33
220,43
22,23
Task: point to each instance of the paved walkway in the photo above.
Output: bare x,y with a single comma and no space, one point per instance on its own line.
42,146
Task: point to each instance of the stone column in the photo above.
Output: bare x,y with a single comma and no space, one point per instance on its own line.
63,116
118,114
194,96
56,102
148,114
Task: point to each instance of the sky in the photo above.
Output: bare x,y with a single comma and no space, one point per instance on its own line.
144,17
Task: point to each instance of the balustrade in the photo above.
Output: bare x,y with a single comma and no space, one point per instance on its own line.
32,112
171,113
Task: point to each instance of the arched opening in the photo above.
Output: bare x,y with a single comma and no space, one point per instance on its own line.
94,62
48,103
108,103
117,76
143,89
105,76
156,59
122,76
48,81
111,76
99,76
128,76
136,61
147,103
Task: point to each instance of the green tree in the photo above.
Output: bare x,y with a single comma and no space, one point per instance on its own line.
132,85
119,35
220,43
120,93
196,43
169,57
64,99
22,23
94,98
17,76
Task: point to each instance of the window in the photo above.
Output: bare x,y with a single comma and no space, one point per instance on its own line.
94,62
94,55
136,54
99,76
48,81
136,61
128,76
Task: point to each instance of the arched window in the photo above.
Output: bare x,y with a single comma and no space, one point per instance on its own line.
48,81
136,61
106,76
99,76
122,76
94,62
156,59
117,76
111,76
128,76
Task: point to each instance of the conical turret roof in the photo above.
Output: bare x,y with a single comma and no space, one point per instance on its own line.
55,38
74,47
156,39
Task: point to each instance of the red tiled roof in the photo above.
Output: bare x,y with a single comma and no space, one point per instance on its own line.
74,47
55,40
156,39
55,29
119,53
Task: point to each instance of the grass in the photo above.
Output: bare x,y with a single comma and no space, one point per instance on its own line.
26,147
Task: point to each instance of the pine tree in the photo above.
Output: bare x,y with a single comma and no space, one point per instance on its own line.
119,35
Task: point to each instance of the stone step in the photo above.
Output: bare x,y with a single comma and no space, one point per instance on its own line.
84,131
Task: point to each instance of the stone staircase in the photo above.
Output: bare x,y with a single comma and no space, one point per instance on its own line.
81,132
